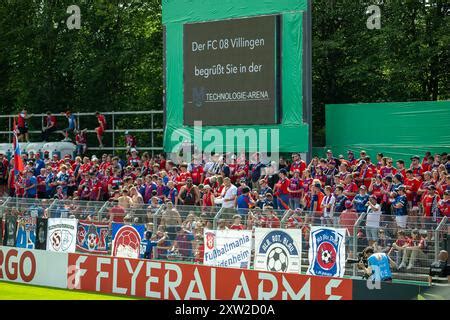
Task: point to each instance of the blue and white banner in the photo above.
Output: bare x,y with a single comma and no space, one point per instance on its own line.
92,237
228,248
126,240
61,235
26,233
327,252
278,250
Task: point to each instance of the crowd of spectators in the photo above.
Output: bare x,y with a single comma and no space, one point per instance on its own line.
328,191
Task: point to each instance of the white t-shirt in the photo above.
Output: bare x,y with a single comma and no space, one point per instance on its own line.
229,194
373,216
328,212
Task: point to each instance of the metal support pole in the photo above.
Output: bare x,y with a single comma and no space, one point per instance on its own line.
10,130
113,133
216,218
355,238
436,236
152,135
102,209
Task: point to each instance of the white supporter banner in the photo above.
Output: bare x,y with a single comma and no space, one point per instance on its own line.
61,235
228,248
327,252
36,267
278,250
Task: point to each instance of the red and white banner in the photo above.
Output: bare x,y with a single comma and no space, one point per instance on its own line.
165,280
33,267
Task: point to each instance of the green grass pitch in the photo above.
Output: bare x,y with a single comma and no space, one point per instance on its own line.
15,291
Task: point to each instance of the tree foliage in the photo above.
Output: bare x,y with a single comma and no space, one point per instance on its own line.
114,61
407,59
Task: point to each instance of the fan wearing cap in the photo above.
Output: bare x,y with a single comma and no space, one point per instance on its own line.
361,199
134,160
334,160
237,225
416,167
430,204
297,164
400,204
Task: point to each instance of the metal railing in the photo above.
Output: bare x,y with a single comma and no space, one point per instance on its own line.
112,124
195,221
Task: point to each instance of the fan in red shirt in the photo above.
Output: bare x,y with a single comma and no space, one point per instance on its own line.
430,201
105,164
4,164
237,225
427,181
375,188
183,176
416,168
352,161
115,182
130,141
197,173
348,218
350,188
297,164
444,205
281,190
388,169
270,220
100,130
365,174
412,185
134,160
81,141
295,221
242,169
96,188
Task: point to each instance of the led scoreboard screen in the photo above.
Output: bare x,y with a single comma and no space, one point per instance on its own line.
231,72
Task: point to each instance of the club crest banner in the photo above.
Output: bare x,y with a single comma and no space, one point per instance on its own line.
126,240
26,232
278,250
228,248
327,252
92,237
61,235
